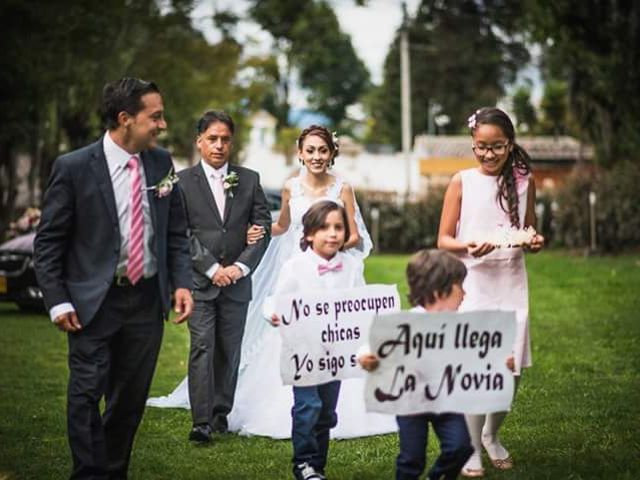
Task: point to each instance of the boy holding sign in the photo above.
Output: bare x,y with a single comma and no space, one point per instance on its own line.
321,266
435,285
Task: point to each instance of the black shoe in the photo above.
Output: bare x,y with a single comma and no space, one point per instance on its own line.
200,433
304,471
219,424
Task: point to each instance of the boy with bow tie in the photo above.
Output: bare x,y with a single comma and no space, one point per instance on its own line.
321,266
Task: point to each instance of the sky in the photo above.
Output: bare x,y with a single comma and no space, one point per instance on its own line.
371,27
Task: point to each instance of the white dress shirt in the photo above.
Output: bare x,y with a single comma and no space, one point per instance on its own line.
211,174
301,272
117,159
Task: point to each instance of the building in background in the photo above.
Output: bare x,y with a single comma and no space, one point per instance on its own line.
432,162
552,158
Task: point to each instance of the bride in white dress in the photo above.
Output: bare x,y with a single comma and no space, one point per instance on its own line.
262,403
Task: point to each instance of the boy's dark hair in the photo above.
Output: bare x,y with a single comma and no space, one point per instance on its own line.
432,272
213,116
314,219
124,95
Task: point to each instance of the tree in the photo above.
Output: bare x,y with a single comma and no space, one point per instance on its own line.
554,108
308,37
462,53
526,118
594,46
60,54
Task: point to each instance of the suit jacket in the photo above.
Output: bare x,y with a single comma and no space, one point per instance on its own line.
224,242
77,246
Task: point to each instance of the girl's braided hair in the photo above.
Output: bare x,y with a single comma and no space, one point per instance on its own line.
518,162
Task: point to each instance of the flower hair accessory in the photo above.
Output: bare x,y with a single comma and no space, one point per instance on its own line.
471,121
230,181
335,140
165,185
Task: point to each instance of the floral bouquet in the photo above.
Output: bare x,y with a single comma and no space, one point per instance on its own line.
507,237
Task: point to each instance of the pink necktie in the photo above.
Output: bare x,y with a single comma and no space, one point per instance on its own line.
135,263
218,194
322,269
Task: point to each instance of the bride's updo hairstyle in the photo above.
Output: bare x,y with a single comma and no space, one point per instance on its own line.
518,164
330,139
315,218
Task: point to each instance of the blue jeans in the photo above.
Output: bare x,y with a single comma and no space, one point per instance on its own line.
314,414
455,445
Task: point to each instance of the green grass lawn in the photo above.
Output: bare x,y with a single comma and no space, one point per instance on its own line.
577,414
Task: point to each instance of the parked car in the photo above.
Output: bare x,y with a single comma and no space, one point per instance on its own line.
274,198
18,279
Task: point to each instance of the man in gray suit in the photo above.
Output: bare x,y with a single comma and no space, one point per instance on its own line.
109,248
221,202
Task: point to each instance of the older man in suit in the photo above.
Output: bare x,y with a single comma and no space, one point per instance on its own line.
221,201
111,244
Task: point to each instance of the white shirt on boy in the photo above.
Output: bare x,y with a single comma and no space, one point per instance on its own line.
309,271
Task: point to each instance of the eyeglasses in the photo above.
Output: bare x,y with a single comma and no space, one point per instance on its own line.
497,149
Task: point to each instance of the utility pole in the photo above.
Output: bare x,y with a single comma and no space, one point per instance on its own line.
592,220
405,94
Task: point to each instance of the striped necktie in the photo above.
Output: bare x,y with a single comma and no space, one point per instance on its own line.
135,263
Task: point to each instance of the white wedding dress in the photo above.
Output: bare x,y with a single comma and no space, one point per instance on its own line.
262,403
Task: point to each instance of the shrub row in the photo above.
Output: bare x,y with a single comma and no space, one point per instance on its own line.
564,215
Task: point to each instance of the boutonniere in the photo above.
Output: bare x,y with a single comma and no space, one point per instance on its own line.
230,181
165,185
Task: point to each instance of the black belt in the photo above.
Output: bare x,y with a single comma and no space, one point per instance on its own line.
123,281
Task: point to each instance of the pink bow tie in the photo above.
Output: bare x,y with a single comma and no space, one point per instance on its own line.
322,269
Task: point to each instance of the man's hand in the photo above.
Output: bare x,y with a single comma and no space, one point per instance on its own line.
184,305
221,278
234,273
68,322
274,320
255,233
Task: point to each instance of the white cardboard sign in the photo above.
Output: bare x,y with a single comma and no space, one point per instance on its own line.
322,331
441,362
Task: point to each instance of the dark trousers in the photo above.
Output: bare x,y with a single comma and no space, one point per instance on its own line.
115,357
216,327
314,414
455,445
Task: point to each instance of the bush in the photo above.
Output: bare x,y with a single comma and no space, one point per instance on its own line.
571,218
404,227
617,208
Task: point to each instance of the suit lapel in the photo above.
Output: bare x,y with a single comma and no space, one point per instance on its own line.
151,179
228,197
100,169
205,191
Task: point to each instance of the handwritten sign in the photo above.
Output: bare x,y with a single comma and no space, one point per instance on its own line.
322,331
441,362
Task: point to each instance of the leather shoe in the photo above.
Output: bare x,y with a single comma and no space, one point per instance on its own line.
200,433
220,425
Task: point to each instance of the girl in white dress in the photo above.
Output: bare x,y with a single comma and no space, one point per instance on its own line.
259,365
498,195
